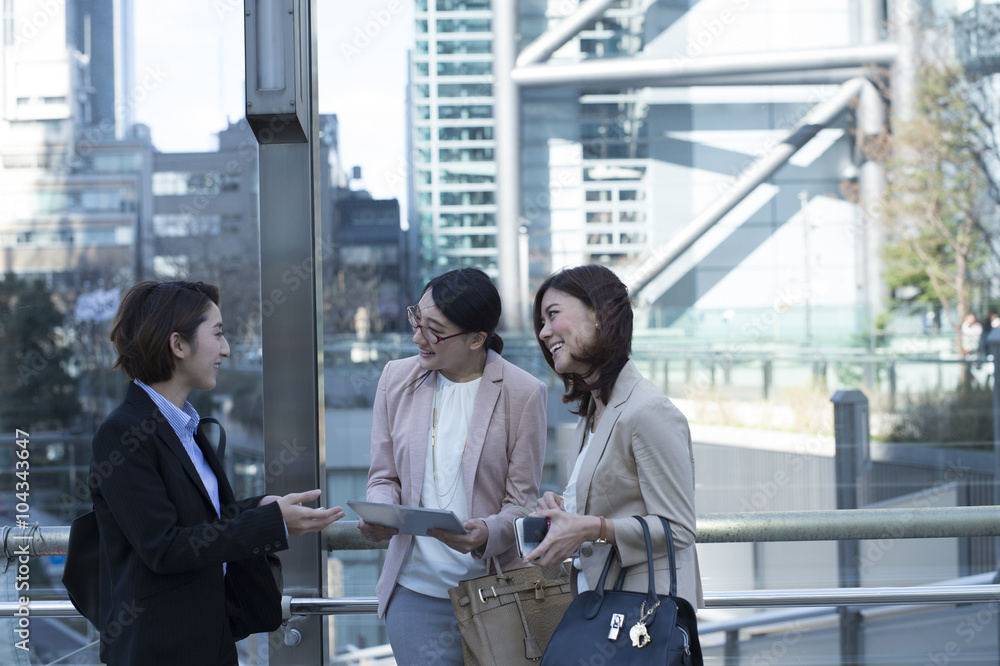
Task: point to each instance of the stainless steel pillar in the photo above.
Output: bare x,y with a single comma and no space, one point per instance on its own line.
507,106
282,110
871,123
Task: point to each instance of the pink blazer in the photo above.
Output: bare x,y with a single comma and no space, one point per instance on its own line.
503,457
641,463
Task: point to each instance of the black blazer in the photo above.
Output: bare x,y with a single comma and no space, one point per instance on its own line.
162,544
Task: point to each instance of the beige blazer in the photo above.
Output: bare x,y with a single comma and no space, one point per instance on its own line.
640,462
503,456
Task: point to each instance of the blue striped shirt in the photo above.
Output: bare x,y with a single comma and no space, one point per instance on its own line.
185,424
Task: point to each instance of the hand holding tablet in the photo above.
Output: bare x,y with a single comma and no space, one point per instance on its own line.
407,519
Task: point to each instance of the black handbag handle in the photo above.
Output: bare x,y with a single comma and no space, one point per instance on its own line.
221,450
595,604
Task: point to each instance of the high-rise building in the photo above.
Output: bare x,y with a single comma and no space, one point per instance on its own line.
614,169
73,179
453,142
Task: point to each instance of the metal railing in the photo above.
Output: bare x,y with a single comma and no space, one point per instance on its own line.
855,524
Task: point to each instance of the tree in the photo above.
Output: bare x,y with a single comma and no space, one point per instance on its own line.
38,392
940,197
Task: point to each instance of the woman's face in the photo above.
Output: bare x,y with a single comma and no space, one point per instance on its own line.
568,328
456,357
199,367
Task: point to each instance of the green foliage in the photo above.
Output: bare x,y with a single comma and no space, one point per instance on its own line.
938,198
38,393
964,417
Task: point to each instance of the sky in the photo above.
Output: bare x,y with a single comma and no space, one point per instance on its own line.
189,73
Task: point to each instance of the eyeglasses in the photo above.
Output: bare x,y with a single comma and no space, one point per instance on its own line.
413,316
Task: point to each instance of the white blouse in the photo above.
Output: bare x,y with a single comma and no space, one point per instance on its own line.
432,567
569,502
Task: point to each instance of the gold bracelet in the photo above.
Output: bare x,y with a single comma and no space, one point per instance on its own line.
602,539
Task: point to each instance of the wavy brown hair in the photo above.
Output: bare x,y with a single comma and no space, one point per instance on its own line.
148,314
600,290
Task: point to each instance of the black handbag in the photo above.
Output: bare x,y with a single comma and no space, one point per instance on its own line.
82,567
253,585
619,627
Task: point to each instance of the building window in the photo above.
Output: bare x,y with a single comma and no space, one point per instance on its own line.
463,46
467,241
465,90
184,226
467,220
182,183
484,68
599,217
465,154
463,25
467,198
461,5
465,133
465,111
458,177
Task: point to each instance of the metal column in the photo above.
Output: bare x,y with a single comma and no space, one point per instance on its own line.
850,425
507,106
282,110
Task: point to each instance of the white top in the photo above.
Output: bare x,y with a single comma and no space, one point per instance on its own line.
432,567
569,502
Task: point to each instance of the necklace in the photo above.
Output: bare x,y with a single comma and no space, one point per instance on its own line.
452,489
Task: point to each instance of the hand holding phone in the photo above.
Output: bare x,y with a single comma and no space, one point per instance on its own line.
530,532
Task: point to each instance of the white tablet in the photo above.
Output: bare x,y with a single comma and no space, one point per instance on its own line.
408,519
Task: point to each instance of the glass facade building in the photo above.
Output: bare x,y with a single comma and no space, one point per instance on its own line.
453,136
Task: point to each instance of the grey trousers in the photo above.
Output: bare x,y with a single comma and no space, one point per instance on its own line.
422,630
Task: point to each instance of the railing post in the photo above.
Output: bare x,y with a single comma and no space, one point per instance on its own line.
732,648
850,425
993,348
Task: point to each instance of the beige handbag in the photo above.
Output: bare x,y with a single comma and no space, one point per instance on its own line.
507,617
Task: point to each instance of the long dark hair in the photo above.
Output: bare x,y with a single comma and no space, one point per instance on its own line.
470,300
600,290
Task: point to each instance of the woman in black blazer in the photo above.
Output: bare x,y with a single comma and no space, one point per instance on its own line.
168,518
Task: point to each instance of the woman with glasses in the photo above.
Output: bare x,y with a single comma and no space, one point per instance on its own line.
455,427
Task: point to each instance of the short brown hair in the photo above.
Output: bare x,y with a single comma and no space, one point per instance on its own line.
600,290
149,312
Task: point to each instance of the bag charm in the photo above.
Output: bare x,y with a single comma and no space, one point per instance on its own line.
638,634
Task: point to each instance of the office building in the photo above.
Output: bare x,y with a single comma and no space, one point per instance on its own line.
615,168
73,177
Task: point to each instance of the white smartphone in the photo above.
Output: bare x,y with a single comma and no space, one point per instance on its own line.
529,532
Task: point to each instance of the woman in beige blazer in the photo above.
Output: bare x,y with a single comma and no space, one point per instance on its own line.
455,427
635,455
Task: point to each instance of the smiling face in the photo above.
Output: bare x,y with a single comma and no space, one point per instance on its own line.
459,355
198,359
568,331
